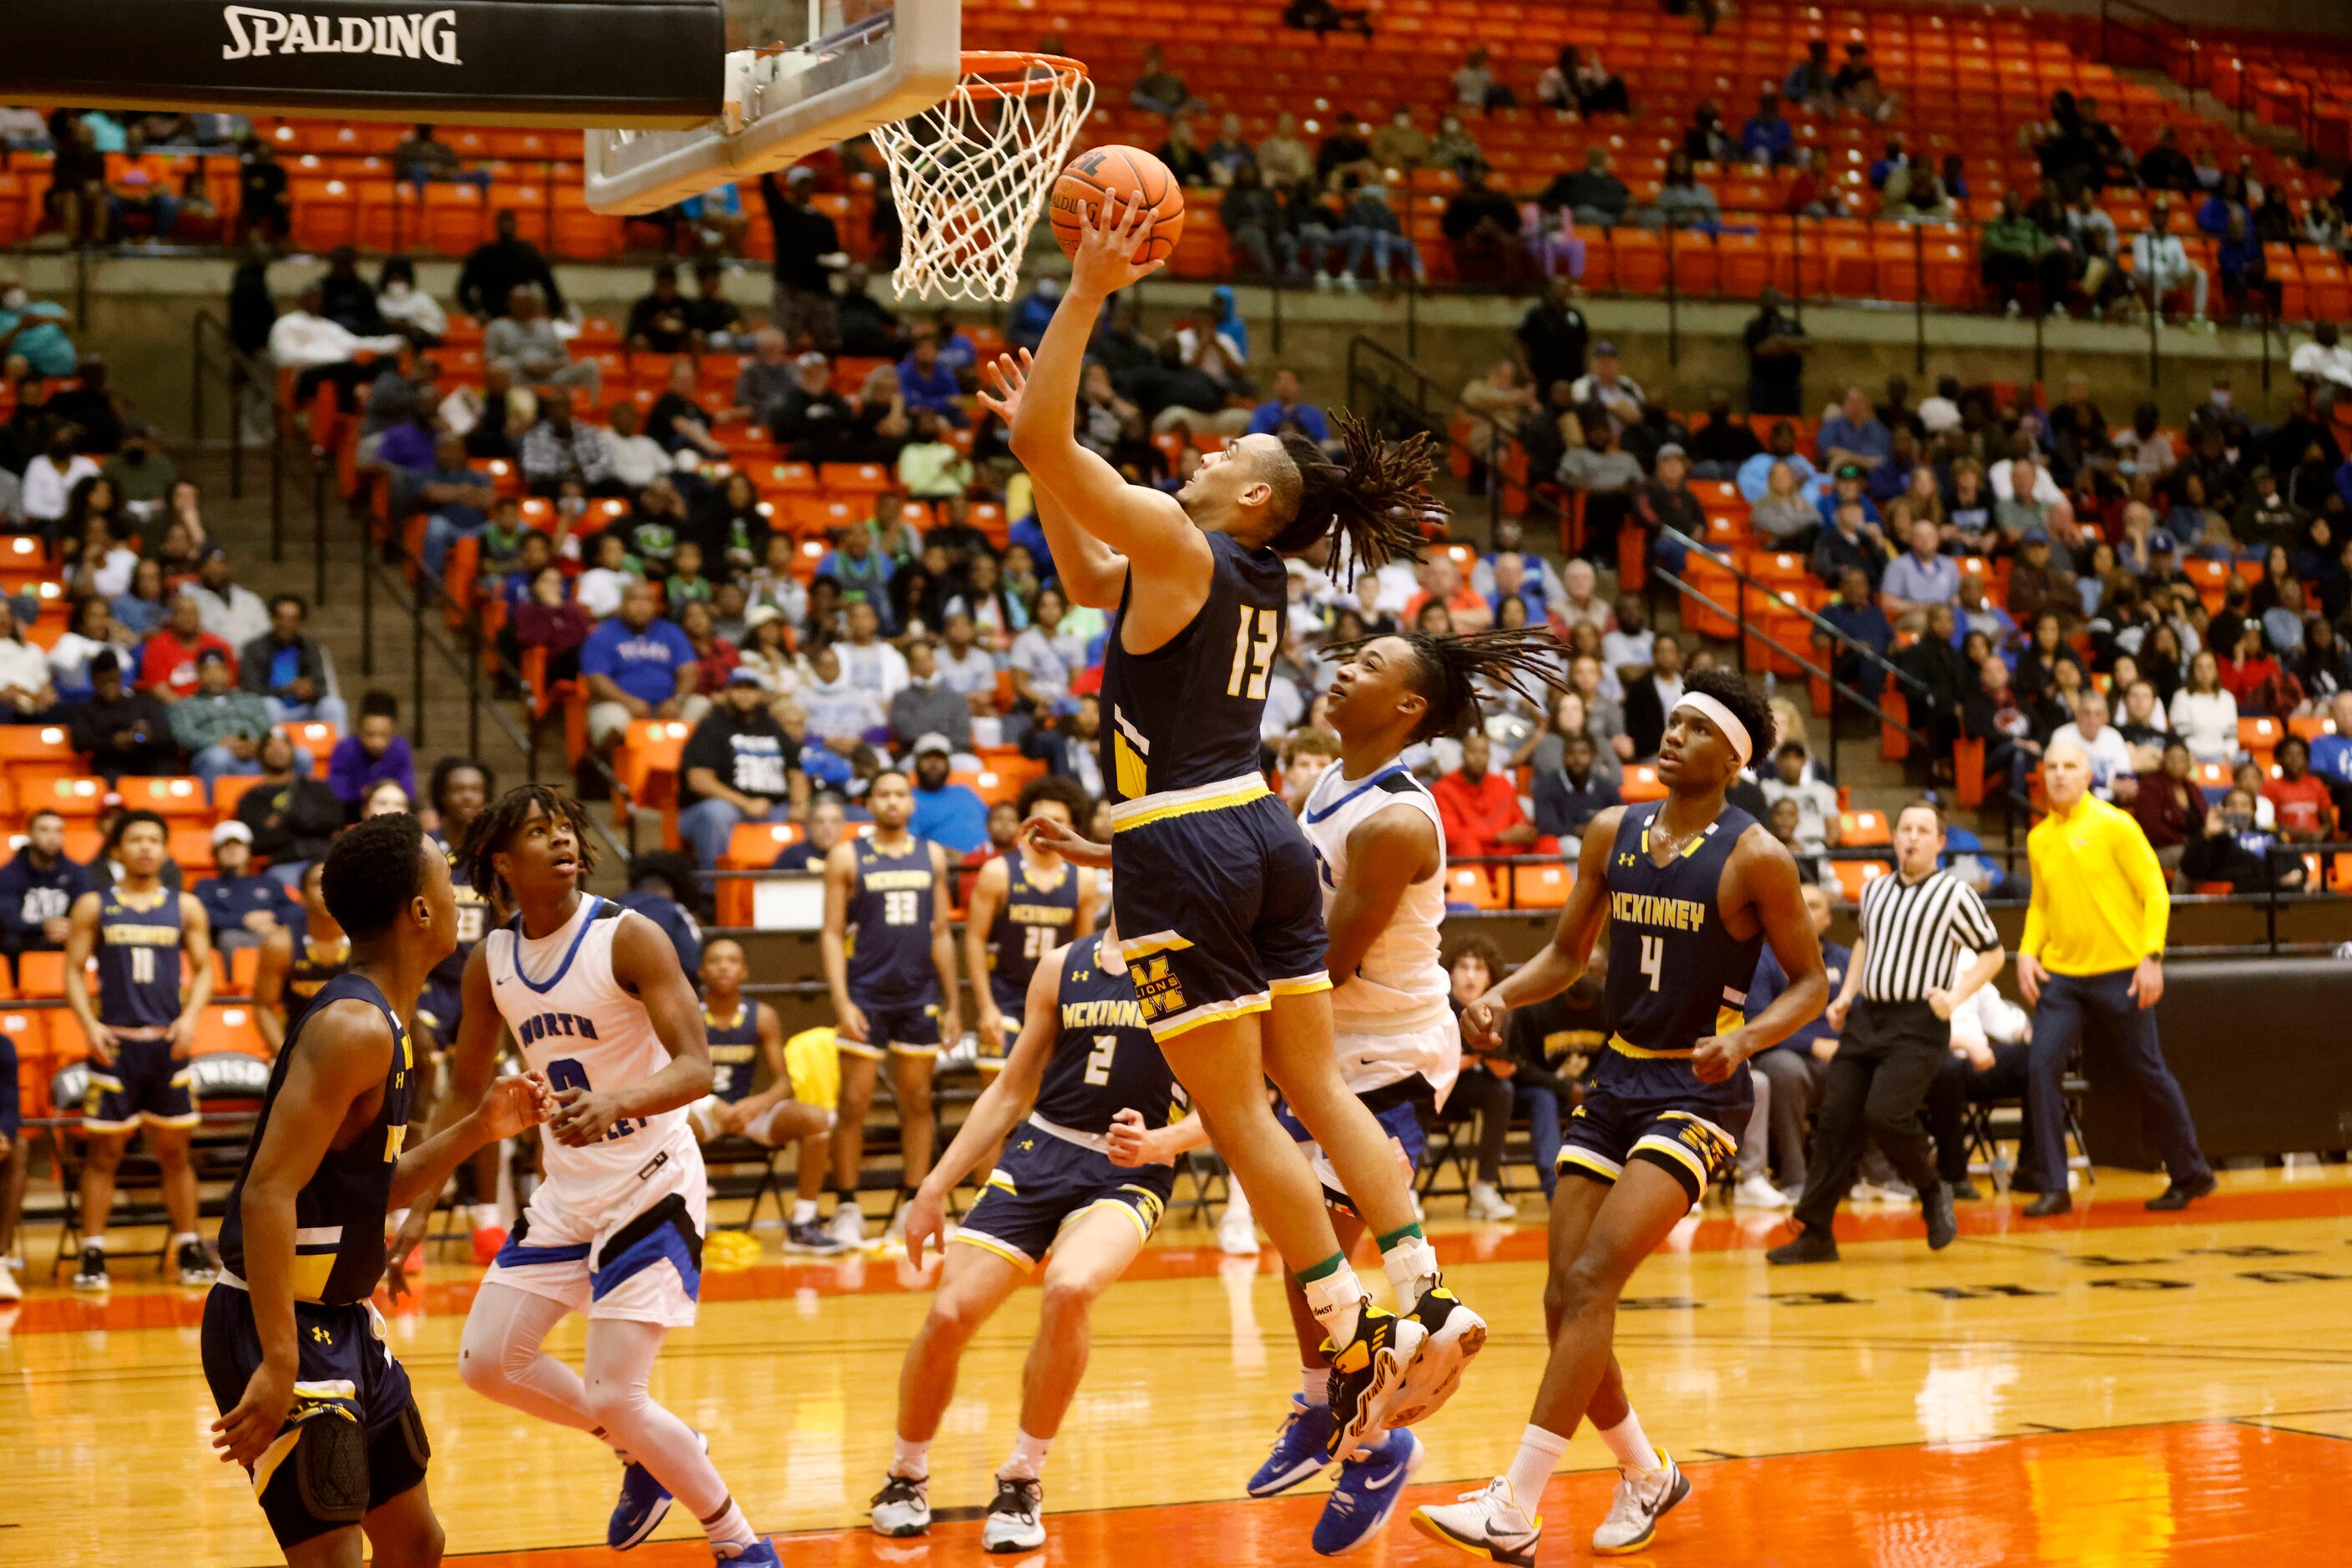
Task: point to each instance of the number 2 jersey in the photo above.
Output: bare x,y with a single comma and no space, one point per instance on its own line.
574,1024
1104,1059
1677,975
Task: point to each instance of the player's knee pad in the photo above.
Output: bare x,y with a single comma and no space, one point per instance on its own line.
323,1485
398,1455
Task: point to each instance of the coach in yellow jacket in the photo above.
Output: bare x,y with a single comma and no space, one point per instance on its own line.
2093,946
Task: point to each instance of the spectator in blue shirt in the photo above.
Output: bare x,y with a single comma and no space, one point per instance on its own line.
1755,475
1894,158
38,887
638,666
1767,136
36,329
1918,578
925,381
1848,486
1796,1067
1854,434
244,905
1856,617
949,814
862,571
1283,410
2331,755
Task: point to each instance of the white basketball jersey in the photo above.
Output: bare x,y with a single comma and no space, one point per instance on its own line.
1398,991
579,1027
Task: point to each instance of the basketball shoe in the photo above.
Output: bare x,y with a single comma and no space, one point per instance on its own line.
1642,1498
1489,1523
1368,1375
1302,1447
1013,1524
903,1506
1454,1334
1370,1487
642,1504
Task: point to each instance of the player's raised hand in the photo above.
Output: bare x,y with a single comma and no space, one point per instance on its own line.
1482,1025
927,1221
517,1104
1716,1057
1049,836
1105,260
1008,378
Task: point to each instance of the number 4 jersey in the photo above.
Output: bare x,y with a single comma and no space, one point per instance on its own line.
577,1025
1677,975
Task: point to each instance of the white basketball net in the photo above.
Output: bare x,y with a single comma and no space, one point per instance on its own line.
970,174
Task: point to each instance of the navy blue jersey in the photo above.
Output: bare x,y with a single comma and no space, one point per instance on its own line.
1677,975
1105,1060
1187,713
315,963
473,920
1037,917
889,920
734,1049
338,1215
138,958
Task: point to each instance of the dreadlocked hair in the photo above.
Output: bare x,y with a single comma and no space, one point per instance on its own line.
1373,504
495,828
1447,671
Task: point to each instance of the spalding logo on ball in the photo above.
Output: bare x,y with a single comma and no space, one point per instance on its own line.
1131,175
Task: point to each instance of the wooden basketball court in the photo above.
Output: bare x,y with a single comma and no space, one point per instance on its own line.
2114,1388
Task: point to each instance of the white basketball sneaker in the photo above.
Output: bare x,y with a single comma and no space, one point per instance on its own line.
1488,1523
1642,1498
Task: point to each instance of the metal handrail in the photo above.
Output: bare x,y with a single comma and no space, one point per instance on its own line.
213,352
1720,558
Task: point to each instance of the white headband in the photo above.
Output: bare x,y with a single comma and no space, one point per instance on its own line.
1722,718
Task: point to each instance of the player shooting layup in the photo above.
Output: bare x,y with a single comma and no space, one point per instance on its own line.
1214,889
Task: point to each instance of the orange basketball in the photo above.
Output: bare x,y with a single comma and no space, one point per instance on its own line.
1129,174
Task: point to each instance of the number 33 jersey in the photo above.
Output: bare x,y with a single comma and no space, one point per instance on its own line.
1677,975
577,1025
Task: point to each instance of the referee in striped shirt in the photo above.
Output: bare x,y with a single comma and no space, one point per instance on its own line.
1894,1024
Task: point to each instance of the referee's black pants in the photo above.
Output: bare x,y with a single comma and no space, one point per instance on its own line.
1887,1060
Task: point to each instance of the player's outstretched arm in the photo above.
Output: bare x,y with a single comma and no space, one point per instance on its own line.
1047,836
1555,968
514,1105
999,1109
646,965
348,1054
472,1058
1389,851
1763,874
1146,525
1092,572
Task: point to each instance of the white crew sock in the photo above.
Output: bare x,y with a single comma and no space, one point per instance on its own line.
912,1460
1315,1386
1631,1444
730,1534
1540,1454
1028,1460
180,1238
1411,1268
1338,1303
803,1211
87,1242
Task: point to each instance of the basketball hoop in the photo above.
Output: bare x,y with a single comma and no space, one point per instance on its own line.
970,174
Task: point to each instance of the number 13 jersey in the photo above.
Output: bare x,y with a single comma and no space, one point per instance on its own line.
1677,975
577,1025
1187,713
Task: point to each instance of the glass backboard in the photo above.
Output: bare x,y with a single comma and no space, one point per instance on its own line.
801,75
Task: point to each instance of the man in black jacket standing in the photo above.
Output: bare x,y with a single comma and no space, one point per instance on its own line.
808,250
496,268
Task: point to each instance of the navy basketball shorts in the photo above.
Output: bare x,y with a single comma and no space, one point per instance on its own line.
1398,1107
1610,1129
909,1029
145,1084
1218,905
1046,1183
353,1440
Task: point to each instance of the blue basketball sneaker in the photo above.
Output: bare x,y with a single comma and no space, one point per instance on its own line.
1370,1487
1302,1447
643,1503
761,1553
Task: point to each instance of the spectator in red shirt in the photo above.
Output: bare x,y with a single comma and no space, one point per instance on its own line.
1481,809
1441,581
168,666
2305,810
